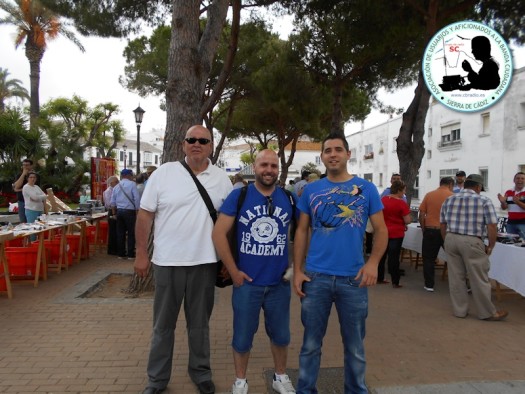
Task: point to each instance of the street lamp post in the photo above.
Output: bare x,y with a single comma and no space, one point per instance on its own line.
124,148
139,113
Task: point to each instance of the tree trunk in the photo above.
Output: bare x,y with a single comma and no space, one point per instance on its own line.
337,110
410,144
190,59
34,54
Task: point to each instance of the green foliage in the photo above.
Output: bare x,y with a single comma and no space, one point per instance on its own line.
10,88
311,168
247,158
147,63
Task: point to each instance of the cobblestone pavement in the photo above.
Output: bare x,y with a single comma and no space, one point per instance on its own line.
53,342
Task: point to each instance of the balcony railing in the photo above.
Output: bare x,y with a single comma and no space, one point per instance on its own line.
369,156
453,143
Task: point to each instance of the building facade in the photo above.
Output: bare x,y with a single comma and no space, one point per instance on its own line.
490,142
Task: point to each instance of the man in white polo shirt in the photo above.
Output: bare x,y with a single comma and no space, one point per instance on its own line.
184,258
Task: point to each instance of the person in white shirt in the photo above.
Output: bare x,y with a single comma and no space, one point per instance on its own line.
184,258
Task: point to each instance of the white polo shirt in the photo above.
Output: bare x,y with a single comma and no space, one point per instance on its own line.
183,224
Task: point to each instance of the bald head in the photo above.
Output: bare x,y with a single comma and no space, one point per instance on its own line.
197,129
266,168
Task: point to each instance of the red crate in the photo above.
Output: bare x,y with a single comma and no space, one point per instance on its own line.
17,242
22,261
102,233
54,247
72,247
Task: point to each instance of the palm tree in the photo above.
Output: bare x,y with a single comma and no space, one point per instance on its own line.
36,25
10,88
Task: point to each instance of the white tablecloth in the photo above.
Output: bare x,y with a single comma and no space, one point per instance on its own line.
507,262
413,239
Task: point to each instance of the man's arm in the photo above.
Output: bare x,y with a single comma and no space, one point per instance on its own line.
19,183
368,273
299,253
222,227
492,231
142,233
503,201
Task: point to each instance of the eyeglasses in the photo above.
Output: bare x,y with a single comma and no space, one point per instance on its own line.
269,206
202,141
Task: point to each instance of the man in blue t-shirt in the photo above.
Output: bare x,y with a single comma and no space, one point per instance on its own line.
336,208
257,270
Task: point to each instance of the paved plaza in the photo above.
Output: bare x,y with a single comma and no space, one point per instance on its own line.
53,342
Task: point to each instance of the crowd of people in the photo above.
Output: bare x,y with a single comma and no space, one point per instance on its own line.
249,228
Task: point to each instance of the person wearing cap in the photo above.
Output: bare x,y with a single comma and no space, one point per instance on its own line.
465,218
125,202
460,181
514,201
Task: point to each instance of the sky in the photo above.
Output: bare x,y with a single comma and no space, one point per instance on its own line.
94,74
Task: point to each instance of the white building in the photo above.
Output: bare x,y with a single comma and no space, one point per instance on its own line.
490,143
306,152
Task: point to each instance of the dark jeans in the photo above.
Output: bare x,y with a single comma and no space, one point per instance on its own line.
22,211
112,235
432,241
126,219
393,253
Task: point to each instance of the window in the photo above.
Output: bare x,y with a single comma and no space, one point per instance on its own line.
369,151
121,155
429,154
521,168
485,123
521,116
450,135
156,159
429,174
416,188
130,158
394,145
317,160
430,131
484,172
380,179
449,172
368,177
353,155
147,158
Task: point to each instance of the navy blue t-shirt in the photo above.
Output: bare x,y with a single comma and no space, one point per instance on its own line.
262,239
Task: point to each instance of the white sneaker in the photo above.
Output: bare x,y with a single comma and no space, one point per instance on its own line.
239,388
283,386
431,289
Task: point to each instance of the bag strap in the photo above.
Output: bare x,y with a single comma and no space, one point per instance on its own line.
126,194
204,194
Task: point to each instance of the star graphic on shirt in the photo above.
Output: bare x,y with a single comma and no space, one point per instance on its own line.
346,212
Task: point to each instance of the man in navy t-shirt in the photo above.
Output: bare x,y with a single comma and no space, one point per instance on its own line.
257,270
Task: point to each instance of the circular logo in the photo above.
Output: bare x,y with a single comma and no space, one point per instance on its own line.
264,230
467,66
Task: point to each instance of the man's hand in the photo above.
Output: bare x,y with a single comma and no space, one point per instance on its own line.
466,66
238,278
298,280
368,275
141,266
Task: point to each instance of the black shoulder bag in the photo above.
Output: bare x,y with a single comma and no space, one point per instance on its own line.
223,278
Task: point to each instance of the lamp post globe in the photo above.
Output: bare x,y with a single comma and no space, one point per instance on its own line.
139,113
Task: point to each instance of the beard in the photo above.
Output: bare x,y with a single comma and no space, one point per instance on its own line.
266,181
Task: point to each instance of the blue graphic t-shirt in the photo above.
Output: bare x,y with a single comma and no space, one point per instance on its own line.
262,239
338,215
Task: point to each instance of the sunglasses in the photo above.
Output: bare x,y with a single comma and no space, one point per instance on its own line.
202,141
270,208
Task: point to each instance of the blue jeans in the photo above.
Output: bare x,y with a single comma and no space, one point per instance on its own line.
516,228
247,301
351,303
